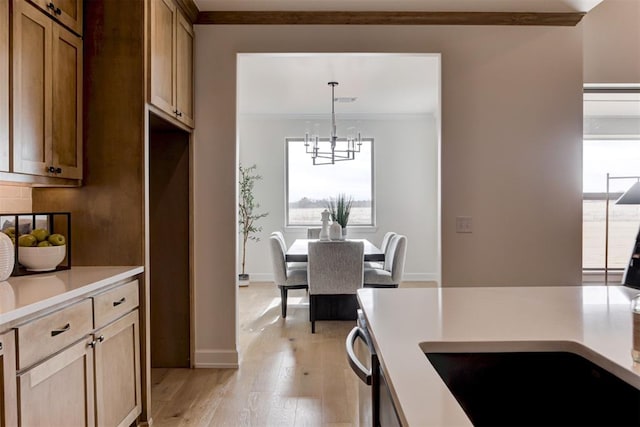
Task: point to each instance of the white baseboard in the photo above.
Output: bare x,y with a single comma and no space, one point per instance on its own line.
216,359
261,277
407,277
420,277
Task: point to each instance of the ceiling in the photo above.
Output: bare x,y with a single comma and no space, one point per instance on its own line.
297,84
401,5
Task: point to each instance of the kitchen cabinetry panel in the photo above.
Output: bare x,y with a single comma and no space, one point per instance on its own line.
171,61
114,303
184,70
4,85
59,391
67,12
117,359
47,96
67,98
41,337
162,70
8,391
32,80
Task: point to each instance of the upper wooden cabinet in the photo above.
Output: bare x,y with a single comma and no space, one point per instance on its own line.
67,12
4,85
47,96
171,61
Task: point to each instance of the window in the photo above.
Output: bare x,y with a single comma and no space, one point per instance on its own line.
611,145
309,187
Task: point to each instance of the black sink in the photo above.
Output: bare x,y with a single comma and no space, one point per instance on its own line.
536,389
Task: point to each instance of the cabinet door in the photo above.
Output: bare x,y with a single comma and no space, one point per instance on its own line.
162,68
117,354
68,12
4,85
184,70
8,391
59,391
67,103
32,79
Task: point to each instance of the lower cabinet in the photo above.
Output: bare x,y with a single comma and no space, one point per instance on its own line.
117,372
94,380
8,398
59,391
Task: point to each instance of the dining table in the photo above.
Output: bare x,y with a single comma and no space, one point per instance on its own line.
299,250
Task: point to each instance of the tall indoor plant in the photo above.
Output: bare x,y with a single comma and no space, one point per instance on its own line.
340,208
248,216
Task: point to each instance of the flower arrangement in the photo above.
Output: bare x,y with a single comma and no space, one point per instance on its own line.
340,208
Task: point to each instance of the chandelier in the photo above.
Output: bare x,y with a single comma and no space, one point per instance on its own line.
328,151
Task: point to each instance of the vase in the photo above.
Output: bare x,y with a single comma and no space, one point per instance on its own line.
335,231
7,257
344,232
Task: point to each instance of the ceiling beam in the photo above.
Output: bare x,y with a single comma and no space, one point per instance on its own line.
386,18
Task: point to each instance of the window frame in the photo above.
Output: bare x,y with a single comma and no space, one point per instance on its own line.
590,135
287,222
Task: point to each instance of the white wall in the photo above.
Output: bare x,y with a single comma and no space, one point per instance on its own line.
405,155
511,154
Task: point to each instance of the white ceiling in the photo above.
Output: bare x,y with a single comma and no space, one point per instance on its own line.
297,84
403,5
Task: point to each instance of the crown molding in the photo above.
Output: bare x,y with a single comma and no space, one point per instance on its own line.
386,18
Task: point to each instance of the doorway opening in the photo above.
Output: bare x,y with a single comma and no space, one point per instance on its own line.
393,98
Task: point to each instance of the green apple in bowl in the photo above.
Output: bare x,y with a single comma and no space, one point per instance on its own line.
41,234
44,244
27,240
57,239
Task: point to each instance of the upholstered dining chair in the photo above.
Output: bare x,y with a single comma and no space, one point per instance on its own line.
313,233
335,273
285,278
283,243
391,274
383,247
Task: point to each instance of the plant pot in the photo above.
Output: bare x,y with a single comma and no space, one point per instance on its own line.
243,280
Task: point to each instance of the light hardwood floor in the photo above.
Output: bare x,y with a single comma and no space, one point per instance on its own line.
287,376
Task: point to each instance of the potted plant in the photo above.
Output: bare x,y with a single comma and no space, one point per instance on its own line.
248,216
340,208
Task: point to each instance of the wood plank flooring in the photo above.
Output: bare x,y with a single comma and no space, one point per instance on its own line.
287,376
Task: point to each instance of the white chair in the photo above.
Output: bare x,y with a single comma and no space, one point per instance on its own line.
283,243
391,275
335,273
313,233
286,278
383,247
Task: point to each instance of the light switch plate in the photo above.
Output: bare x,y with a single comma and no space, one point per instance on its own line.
464,224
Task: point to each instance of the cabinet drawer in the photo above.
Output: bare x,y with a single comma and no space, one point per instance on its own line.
42,337
114,303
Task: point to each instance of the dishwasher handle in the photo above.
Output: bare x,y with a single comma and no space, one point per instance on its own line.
360,370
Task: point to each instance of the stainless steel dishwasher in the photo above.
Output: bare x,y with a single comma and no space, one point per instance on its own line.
376,407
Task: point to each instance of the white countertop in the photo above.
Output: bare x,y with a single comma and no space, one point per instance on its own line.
593,321
25,295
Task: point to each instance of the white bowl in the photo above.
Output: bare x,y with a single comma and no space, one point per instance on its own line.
44,258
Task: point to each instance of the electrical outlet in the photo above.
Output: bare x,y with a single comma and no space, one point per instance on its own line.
464,224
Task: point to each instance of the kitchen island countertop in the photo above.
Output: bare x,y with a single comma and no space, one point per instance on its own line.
592,321
24,296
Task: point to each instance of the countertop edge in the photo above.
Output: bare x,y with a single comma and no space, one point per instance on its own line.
46,303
